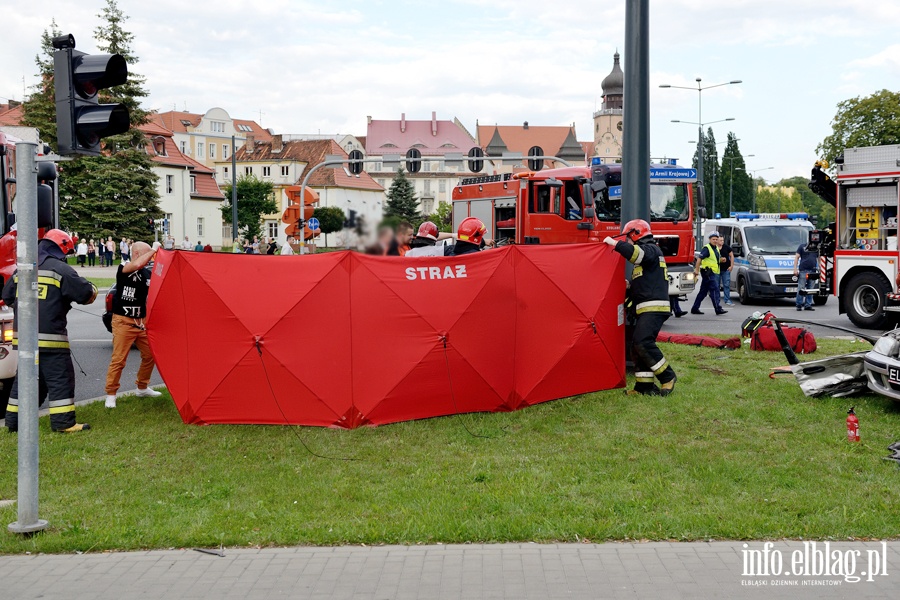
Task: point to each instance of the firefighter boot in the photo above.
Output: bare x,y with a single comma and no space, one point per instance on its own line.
74,428
668,387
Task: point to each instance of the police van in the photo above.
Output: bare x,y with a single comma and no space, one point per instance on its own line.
764,246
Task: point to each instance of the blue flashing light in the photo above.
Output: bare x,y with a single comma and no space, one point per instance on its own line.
718,215
596,160
673,162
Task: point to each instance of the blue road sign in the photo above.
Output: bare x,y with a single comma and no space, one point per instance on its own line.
673,175
313,223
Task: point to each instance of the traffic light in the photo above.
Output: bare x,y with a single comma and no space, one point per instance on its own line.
81,120
46,177
356,168
535,164
413,160
475,162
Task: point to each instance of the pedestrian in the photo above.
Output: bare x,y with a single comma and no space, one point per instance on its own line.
400,244
198,247
263,247
675,307
386,238
649,295
247,248
124,250
272,247
186,244
110,251
92,254
207,248
286,249
726,262
169,243
81,253
708,268
806,266
237,247
129,308
255,245
58,287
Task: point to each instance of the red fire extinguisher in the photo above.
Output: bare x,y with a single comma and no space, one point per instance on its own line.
852,426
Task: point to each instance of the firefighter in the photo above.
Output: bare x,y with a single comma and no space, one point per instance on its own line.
58,286
469,235
649,295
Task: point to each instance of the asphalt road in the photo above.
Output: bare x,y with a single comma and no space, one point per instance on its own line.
92,347
731,323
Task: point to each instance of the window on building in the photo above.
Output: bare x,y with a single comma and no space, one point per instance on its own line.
170,184
426,166
183,146
378,167
224,150
217,126
193,184
225,172
199,150
427,186
285,170
212,150
167,223
272,229
442,186
200,227
267,171
427,206
248,170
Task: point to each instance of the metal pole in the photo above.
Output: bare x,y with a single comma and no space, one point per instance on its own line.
636,142
27,319
700,154
714,194
731,187
234,215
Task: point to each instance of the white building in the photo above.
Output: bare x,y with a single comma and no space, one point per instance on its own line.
188,194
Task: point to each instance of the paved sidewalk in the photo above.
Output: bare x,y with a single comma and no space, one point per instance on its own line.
519,571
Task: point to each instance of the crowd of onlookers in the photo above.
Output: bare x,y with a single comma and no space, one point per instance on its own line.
101,253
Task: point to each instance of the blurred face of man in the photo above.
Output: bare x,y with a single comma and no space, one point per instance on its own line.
404,236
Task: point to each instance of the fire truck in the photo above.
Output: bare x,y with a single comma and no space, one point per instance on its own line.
582,205
858,252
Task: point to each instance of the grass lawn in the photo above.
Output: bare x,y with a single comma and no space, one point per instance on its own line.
731,455
102,282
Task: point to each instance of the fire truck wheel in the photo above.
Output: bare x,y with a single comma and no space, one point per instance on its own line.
864,300
820,300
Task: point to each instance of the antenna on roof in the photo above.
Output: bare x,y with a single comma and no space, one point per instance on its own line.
261,113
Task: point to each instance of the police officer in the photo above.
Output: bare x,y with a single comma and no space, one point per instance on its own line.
58,286
649,294
708,267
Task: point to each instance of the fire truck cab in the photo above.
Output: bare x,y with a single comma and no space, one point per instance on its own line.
582,205
859,257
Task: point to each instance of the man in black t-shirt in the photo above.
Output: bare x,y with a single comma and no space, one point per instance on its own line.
129,309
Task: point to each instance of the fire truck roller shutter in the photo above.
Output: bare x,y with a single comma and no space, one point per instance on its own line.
460,212
484,210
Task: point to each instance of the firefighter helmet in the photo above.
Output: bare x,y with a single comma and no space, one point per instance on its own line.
637,229
471,230
61,239
428,230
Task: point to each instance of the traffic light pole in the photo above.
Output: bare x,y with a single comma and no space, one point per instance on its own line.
27,320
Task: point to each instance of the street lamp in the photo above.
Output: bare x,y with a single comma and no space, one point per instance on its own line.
752,173
699,89
730,160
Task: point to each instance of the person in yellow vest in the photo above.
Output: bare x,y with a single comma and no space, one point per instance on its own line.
708,268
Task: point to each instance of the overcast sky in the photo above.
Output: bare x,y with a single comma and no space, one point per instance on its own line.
323,66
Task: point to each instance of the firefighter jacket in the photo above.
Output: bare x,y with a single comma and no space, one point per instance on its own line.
709,258
649,291
58,286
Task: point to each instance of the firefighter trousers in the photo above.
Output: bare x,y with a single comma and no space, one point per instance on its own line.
649,362
56,380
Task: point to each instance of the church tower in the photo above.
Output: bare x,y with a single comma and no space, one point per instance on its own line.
608,120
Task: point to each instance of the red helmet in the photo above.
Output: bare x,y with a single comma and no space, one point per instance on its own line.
637,229
61,239
428,230
471,230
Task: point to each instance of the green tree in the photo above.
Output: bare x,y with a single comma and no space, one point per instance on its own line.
812,204
712,172
741,187
442,217
863,121
255,198
777,199
401,200
39,109
331,219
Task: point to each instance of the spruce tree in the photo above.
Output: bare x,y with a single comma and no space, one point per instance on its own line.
39,109
401,199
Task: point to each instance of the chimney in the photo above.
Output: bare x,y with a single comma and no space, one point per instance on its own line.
277,144
525,125
368,119
249,143
402,122
434,123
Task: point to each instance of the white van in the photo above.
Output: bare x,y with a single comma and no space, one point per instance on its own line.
764,246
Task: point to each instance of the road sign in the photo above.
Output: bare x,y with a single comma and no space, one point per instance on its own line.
669,175
313,223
